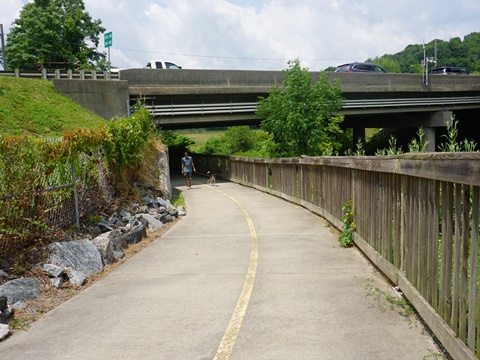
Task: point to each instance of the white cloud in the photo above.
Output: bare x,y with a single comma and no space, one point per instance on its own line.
10,10
256,34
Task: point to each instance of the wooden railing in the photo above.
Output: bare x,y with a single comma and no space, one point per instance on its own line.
416,216
61,74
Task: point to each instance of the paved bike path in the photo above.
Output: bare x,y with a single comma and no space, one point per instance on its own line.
243,276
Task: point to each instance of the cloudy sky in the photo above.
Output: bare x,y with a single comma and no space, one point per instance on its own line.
264,34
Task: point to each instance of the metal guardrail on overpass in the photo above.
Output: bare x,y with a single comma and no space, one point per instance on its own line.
251,107
61,74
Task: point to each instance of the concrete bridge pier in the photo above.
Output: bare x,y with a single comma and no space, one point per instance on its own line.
432,121
358,136
428,120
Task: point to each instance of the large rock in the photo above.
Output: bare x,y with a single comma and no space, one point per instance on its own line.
153,224
164,178
20,289
56,282
181,211
3,276
135,235
4,331
82,256
76,277
53,270
149,200
111,245
169,205
126,216
104,245
6,315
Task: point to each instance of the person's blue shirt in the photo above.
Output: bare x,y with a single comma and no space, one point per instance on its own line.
187,164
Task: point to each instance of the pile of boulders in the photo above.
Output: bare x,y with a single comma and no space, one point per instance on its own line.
77,258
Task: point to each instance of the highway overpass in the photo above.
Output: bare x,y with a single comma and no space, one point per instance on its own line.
202,98
190,98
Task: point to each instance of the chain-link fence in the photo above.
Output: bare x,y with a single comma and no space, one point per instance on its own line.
47,200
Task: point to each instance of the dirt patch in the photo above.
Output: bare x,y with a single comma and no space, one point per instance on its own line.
51,297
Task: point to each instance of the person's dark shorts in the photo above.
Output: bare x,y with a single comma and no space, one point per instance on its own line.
187,174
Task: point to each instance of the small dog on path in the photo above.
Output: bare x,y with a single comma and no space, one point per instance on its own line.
210,178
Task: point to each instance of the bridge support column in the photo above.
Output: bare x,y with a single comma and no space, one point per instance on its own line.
434,120
429,138
358,136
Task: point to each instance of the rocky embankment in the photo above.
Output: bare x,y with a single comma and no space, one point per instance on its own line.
75,259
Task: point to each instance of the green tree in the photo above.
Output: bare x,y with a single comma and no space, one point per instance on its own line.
387,63
54,34
240,139
303,117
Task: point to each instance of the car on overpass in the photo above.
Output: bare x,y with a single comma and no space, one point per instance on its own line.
360,67
158,64
449,70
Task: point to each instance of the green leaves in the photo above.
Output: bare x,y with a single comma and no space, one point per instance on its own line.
346,238
453,52
125,140
238,141
303,116
53,34
29,164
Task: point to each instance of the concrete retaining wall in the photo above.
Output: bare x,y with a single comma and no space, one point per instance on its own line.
107,99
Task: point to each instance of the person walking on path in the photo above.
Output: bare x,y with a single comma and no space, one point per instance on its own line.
188,167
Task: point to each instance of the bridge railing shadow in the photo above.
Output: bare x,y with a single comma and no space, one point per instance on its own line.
416,217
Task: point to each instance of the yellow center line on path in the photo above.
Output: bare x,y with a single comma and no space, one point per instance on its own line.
229,338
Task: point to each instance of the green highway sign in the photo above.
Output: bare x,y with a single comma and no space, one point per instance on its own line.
108,39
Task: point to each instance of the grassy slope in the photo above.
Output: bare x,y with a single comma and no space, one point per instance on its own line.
34,107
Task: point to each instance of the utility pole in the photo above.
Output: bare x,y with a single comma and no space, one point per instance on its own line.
424,65
425,62
2,43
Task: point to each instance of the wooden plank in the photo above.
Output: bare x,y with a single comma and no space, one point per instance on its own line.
413,193
381,212
389,223
473,309
320,186
435,244
358,202
428,218
442,290
456,257
309,182
405,224
398,223
447,249
371,201
423,272
462,332
425,234
301,180
375,210
365,207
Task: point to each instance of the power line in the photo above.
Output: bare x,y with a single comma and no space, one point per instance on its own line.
230,57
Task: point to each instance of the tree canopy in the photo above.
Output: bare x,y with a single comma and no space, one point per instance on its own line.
454,52
54,34
303,116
